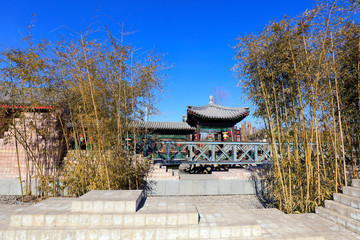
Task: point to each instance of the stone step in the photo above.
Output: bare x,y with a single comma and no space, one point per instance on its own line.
339,219
96,220
160,169
347,200
108,201
248,231
157,166
343,209
161,174
155,211
355,183
242,172
351,191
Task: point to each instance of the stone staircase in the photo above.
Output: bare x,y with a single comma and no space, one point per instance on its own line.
344,210
122,215
160,172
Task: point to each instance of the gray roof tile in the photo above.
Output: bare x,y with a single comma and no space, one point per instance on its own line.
214,111
29,96
166,125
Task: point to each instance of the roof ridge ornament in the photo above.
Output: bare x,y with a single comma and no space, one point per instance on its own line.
211,99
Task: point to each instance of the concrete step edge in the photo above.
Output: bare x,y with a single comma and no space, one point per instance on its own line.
339,219
343,209
347,200
351,191
355,183
209,225
83,220
103,206
196,232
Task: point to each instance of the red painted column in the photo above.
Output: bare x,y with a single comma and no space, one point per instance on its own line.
233,133
154,139
198,131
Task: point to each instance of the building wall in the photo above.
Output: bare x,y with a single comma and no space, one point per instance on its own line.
8,160
37,133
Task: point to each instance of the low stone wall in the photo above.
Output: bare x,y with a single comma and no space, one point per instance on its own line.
12,187
191,187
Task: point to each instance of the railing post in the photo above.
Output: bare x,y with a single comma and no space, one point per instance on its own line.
256,153
167,151
191,153
212,147
234,153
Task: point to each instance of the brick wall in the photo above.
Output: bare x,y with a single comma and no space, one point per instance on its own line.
39,132
8,160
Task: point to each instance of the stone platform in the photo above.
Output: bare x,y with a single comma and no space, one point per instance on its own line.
104,215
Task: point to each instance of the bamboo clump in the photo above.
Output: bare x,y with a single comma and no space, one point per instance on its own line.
303,75
96,87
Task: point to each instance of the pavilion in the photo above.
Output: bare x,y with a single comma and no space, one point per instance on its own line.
211,122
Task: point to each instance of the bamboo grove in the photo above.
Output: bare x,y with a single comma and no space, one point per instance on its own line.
98,86
303,74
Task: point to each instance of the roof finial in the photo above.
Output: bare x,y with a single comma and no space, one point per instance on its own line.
211,99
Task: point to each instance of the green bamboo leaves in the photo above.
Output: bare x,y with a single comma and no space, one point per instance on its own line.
98,86
298,72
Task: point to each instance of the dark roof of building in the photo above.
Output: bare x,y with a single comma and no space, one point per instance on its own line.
213,111
166,126
41,98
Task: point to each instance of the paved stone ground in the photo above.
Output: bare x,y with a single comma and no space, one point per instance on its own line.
218,217
243,201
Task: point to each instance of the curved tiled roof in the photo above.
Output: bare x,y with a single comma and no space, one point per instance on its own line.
217,112
37,98
166,126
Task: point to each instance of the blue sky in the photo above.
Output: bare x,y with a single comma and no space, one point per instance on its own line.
197,37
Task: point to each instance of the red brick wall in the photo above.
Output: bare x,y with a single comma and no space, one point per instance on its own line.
8,156
8,160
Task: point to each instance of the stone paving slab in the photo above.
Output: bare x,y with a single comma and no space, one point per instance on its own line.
112,195
193,232
97,220
328,229
6,211
276,224
96,201
223,214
